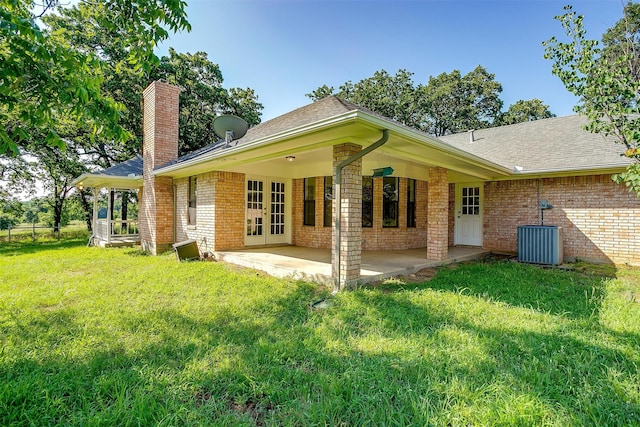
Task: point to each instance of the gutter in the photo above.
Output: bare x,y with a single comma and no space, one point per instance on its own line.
341,165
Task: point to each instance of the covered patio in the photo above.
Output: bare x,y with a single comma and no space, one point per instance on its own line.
315,264
122,182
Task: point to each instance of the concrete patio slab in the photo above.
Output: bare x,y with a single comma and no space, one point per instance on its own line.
315,264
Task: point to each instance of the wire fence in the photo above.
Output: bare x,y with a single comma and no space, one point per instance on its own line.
38,231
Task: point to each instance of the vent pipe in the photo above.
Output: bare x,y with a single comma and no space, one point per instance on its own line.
471,137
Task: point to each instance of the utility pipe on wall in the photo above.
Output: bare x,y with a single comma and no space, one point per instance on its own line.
341,165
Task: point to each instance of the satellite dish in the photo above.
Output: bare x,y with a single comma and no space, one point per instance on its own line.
230,127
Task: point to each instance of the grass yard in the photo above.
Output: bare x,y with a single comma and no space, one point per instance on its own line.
94,336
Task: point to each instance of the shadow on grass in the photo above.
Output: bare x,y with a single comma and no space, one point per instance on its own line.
550,290
25,248
370,359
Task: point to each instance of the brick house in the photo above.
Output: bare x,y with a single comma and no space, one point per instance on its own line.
276,186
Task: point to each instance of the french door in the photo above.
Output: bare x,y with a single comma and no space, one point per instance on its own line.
268,207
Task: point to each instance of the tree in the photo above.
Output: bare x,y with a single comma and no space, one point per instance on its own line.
391,96
56,168
203,98
11,213
605,77
525,111
83,29
455,103
42,74
448,103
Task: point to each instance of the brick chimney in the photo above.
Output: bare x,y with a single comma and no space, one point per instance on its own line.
160,146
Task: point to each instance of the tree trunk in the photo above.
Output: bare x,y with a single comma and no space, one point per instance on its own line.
125,205
88,210
57,214
112,195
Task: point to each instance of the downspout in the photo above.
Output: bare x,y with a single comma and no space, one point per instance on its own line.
341,165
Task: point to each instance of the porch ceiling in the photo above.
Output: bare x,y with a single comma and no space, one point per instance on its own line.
91,180
408,151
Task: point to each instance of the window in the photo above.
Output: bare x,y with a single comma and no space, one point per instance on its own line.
367,201
411,203
470,200
389,202
328,200
309,201
193,192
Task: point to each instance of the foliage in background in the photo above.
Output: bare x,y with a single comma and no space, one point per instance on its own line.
606,78
202,98
447,103
43,76
122,71
525,111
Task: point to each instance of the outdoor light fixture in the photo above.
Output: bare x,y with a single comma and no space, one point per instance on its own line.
290,158
386,171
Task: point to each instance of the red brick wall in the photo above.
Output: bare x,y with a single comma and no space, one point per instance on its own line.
373,238
160,146
452,213
438,214
351,214
229,210
600,219
220,211
309,236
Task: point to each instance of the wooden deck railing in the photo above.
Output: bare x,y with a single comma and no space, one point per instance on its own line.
117,228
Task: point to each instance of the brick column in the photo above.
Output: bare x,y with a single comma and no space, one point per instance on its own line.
160,146
351,217
437,214
229,210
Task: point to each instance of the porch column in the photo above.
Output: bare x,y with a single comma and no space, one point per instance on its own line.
437,214
109,210
94,219
346,264
95,231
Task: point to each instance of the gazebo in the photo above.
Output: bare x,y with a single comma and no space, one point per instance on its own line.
122,179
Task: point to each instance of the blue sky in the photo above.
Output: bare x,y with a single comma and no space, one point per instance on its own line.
285,49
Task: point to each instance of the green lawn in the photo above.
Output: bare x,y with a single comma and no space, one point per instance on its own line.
94,336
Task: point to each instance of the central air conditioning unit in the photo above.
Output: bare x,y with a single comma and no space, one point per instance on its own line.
540,244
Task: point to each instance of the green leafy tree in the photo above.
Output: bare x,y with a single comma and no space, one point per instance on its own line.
56,168
203,98
448,103
43,75
83,28
393,96
11,213
321,92
525,111
605,77
454,102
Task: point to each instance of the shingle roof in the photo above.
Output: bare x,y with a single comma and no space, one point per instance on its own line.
558,143
311,113
126,168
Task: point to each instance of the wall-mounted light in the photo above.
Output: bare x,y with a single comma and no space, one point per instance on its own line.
290,158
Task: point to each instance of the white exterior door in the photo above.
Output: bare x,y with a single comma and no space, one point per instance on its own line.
268,207
468,225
